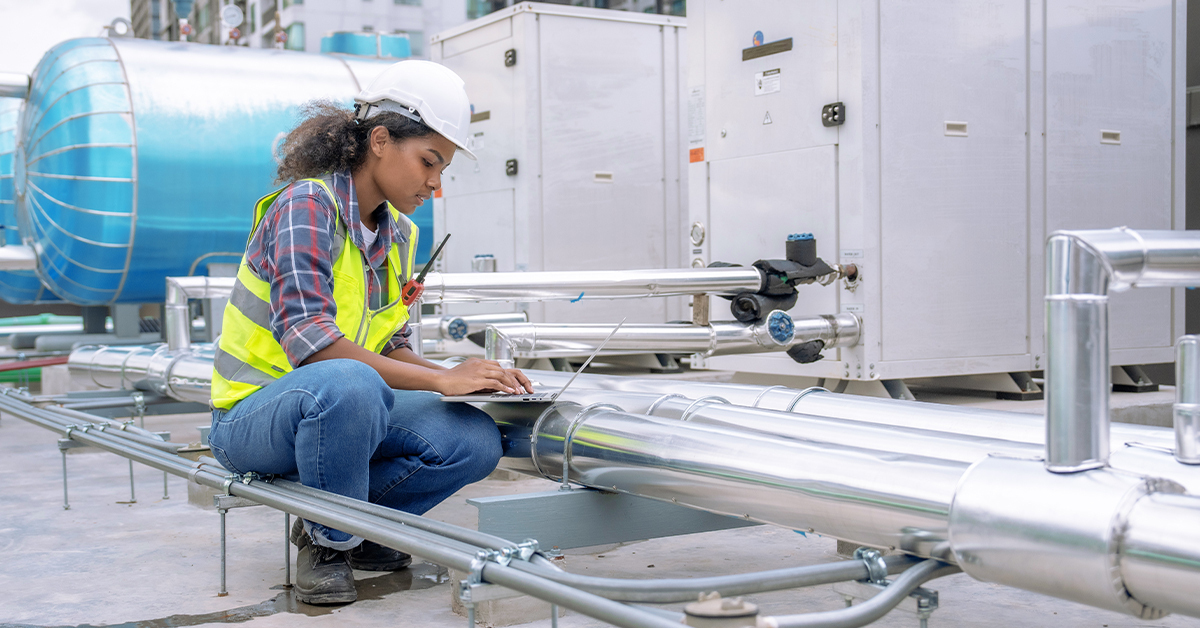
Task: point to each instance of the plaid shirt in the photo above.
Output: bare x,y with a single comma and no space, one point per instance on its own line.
293,251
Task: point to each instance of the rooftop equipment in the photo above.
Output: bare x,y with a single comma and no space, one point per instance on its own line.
139,160
577,122
935,146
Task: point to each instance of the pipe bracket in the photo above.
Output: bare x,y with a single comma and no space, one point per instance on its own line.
877,569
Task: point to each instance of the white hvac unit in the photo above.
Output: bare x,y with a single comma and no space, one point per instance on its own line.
935,145
577,124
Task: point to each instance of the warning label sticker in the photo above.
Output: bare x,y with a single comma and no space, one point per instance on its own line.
696,117
767,82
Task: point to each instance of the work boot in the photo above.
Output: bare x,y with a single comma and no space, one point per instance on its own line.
367,556
370,556
323,576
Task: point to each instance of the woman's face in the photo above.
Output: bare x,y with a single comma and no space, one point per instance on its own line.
409,170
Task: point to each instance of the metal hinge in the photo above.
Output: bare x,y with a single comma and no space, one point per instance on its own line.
510,167
510,57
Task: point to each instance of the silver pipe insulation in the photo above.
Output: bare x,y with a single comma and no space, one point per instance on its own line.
777,332
882,498
872,497
17,256
14,85
1097,538
1186,411
589,284
182,375
1081,268
177,322
456,547
450,327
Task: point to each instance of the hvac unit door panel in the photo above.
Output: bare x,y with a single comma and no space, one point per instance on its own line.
602,175
481,224
953,183
490,87
755,202
773,102
1109,70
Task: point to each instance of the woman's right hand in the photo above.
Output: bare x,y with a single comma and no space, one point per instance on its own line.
476,375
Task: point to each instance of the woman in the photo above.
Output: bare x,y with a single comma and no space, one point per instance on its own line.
314,376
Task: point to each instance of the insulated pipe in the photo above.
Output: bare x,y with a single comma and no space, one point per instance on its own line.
589,284
459,327
186,376
777,332
1187,400
14,85
177,324
871,497
965,420
1081,267
17,256
1104,538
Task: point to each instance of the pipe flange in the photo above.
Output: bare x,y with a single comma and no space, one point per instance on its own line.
804,393
533,435
700,403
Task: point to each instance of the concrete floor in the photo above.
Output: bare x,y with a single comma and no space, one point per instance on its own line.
154,563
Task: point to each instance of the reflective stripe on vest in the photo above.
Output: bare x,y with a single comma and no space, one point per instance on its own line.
248,357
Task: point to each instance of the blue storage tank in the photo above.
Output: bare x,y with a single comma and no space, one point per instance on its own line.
15,286
365,44
141,159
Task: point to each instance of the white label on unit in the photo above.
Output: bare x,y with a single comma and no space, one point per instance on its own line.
856,308
766,82
852,254
696,116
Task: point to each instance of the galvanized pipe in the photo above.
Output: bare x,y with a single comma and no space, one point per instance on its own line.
177,324
777,332
870,610
1186,410
589,284
1081,268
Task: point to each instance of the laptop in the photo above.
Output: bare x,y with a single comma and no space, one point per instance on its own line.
537,397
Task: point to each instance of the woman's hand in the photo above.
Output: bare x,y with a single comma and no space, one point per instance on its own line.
476,375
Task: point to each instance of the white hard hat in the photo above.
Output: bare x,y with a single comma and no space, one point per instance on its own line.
424,91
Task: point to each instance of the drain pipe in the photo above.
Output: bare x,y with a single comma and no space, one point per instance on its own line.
778,332
1081,268
1187,400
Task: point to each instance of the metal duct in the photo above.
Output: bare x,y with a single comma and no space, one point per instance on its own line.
127,143
1081,267
589,284
777,333
186,376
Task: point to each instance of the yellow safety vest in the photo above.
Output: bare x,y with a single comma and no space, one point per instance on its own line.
248,357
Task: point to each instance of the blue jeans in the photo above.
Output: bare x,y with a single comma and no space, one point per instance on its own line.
335,425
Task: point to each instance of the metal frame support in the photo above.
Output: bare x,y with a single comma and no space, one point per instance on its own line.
226,502
921,602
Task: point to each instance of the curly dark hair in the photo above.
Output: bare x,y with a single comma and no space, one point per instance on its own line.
329,139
